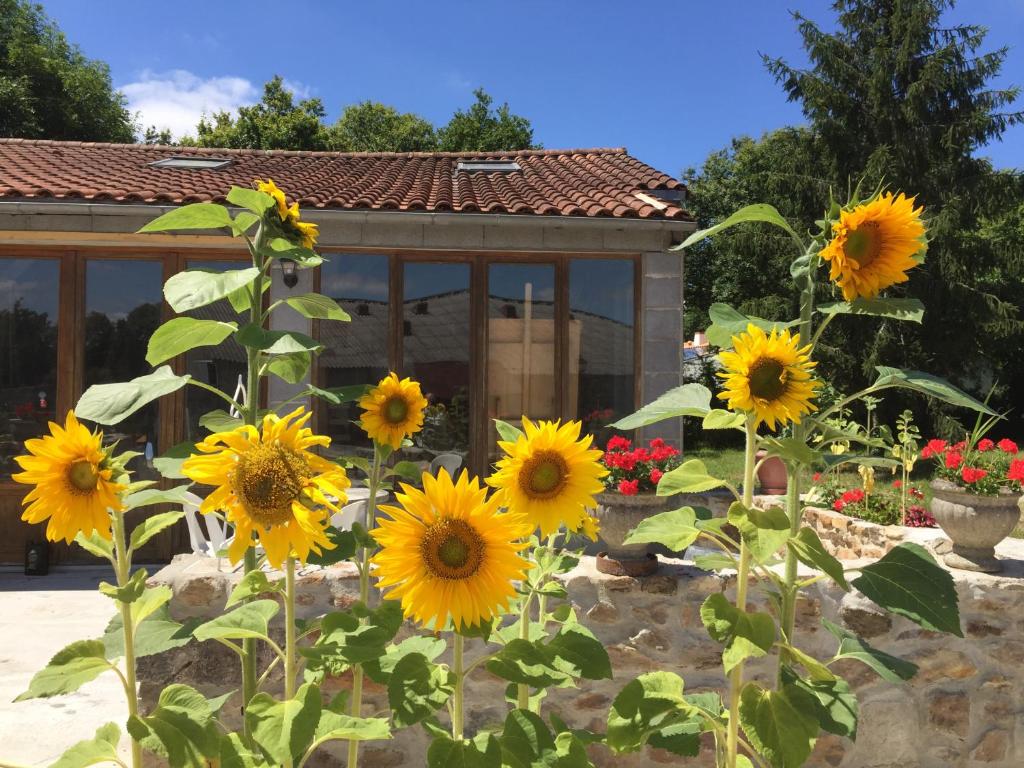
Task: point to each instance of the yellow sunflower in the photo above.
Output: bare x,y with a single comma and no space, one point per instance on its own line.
392,411
769,375
550,475
269,483
874,245
447,552
73,479
270,188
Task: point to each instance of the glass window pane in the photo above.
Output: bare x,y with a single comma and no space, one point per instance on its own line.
520,344
218,366
28,353
123,304
600,339
436,350
356,352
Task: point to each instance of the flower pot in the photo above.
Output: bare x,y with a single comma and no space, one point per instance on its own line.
975,524
619,515
771,475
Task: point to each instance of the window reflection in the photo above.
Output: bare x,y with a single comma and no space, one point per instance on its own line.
436,352
28,353
600,339
123,303
219,366
520,344
356,352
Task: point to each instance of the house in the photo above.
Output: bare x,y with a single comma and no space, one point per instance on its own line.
535,282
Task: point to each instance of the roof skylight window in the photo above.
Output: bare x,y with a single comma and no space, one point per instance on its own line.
490,166
192,163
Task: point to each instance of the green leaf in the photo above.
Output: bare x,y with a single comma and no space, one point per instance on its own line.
182,728
676,529
687,400
243,222
194,216
526,742
292,368
727,322
196,288
95,545
929,385
335,726
527,663
689,477
811,552
150,601
276,342
428,646
764,531
781,725
417,688
128,593
744,634
911,310
715,561
283,248
249,620
509,433
253,584
345,546
888,667
219,420
317,306
482,752
336,395
169,465
70,668
234,753
907,581
157,633
151,496
576,650
408,470
251,199
284,729
837,710
757,212
99,750
719,419
791,449
651,704
112,403
184,333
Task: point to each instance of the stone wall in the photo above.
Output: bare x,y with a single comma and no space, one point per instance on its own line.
964,708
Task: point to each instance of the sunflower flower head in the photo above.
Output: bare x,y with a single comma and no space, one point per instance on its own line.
768,375
270,188
448,553
392,410
290,218
874,245
269,483
74,479
550,475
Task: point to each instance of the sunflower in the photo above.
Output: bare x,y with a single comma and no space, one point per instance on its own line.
550,475
769,375
72,475
874,245
269,483
270,188
392,411
448,552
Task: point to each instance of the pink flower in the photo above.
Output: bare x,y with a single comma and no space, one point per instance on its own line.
1016,471
972,474
953,460
656,475
619,443
1007,446
986,445
629,487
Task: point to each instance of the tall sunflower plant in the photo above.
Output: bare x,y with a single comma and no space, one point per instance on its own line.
770,384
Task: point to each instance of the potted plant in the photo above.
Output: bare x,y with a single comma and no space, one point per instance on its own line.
975,497
631,497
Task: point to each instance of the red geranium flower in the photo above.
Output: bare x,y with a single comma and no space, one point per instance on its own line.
642,454
933,448
972,474
657,443
838,506
953,460
629,487
619,443
1007,446
853,496
986,445
959,446
1016,471
656,475
897,484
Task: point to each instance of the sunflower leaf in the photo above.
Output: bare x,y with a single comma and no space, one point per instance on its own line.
744,634
764,531
180,334
651,704
761,212
675,529
112,403
96,545
194,216
182,728
689,477
317,306
196,288
253,584
687,400
417,688
70,668
911,310
484,751
284,729
249,620
507,431
99,750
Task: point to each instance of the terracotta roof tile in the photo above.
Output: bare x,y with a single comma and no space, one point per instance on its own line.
572,182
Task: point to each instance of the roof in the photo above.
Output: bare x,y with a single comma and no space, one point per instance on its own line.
572,182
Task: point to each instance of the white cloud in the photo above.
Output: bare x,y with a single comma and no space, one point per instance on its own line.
177,99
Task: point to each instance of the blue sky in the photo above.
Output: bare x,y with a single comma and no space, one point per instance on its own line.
671,81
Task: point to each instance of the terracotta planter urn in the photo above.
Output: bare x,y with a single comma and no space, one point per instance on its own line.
771,475
975,524
619,515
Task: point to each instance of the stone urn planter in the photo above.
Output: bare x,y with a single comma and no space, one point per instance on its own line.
771,475
619,515
975,524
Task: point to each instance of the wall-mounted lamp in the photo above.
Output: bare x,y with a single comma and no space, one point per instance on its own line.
288,273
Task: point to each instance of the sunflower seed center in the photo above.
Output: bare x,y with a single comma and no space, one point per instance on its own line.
452,549
83,476
863,244
767,379
395,410
267,479
543,475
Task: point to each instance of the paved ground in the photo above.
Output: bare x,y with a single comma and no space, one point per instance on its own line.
39,615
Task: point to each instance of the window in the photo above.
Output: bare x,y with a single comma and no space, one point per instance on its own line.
357,352
29,304
192,163
600,339
491,166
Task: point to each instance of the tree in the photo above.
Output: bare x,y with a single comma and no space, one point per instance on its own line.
276,122
49,89
482,129
375,127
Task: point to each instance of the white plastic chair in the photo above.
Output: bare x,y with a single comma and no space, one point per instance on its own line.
355,510
214,539
450,461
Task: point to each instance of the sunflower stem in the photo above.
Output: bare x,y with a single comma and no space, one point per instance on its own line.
289,628
123,566
523,690
457,696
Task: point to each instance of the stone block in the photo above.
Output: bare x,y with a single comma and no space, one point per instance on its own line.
950,712
662,356
864,617
663,292
573,238
458,236
992,747
663,324
513,237
393,234
657,384
667,263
